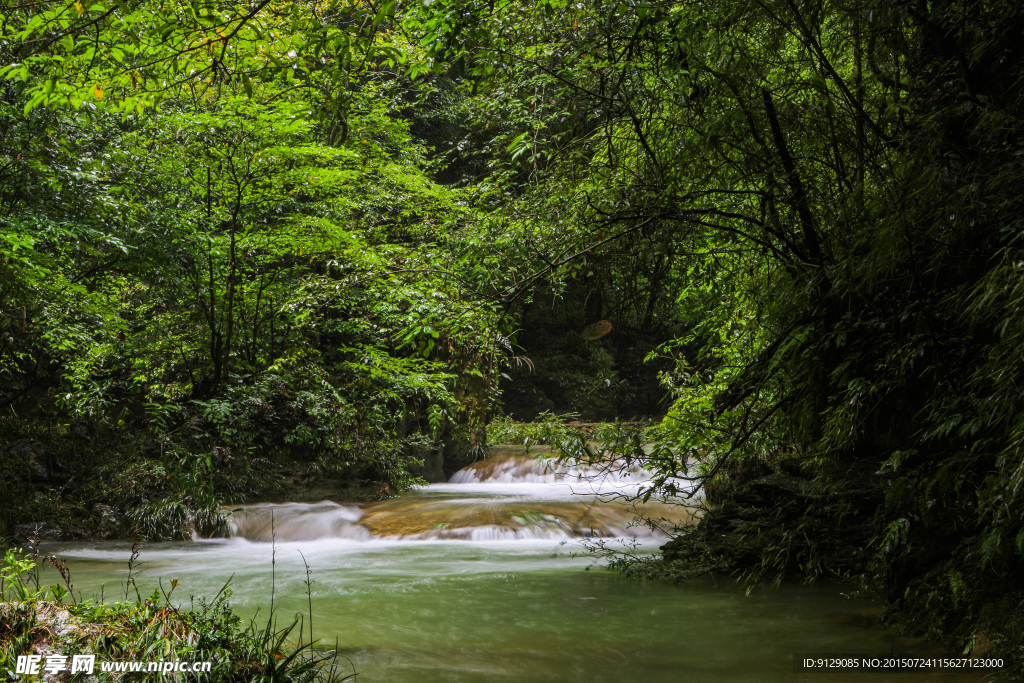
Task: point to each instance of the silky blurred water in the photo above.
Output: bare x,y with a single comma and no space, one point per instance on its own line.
523,602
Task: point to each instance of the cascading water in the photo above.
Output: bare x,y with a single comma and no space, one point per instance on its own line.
297,522
478,580
522,468
509,496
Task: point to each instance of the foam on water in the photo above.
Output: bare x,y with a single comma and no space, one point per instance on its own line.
298,522
526,469
506,498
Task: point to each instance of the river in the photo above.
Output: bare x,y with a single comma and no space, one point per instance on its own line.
488,578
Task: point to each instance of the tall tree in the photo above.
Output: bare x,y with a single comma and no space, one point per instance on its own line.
838,176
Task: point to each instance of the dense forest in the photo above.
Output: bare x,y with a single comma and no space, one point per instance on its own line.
249,248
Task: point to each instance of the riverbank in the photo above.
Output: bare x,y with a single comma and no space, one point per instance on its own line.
138,495
51,631
66,483
748,513
502,590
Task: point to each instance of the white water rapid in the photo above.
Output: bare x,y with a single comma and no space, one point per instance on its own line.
509,496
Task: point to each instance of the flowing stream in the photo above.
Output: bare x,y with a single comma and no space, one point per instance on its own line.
487,578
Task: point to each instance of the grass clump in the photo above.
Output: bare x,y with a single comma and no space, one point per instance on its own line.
51,620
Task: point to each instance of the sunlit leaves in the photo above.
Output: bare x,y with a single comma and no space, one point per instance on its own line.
146,52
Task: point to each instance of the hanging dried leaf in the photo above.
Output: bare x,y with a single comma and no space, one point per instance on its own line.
596,330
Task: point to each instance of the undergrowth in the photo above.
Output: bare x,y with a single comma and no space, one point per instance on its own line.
53,620
551,429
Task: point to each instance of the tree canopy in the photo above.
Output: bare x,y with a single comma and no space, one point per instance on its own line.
338,230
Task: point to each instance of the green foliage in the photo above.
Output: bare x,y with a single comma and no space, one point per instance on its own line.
151,628
548,429
558,430
131,57
219,237
218,259
19,578
836,185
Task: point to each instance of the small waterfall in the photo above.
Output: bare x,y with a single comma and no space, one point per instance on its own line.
507,497
523,468
287,522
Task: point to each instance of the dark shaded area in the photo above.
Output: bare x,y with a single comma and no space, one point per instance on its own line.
603,379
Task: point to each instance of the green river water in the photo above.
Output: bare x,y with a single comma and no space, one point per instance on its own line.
486,579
